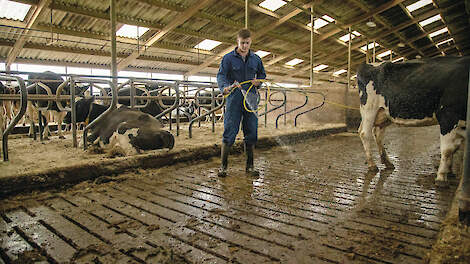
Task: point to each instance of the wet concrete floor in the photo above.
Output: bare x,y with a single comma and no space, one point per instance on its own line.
313,202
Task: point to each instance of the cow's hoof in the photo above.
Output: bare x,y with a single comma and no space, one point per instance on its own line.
222,173
61,137
389,166
373,169
441,184
464,217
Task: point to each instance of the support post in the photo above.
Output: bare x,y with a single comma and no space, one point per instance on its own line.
112,11
346,94
464,201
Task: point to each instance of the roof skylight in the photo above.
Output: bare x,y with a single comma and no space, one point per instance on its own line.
444,41
294,62
418,5
397,60
320,67
262,53
13,10
383,54
130,31
430,20
207,44
371,46
336,73
354,34
321,22
440,31
272,5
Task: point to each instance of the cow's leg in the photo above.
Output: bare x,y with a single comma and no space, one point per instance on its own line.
381,122
449,144
59,117
46,133
29,117
365,133
2,119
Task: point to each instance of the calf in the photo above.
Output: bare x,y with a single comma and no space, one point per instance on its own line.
415,93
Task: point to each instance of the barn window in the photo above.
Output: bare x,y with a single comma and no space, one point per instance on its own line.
397,60
371,46
383,54
130,31
321,22
13,10
418,5
444,41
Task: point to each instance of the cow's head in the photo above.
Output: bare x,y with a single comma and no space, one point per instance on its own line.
365,74
82,107
145,134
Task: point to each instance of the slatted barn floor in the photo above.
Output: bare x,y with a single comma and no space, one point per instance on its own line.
314,202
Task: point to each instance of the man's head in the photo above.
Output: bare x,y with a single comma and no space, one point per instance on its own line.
244,40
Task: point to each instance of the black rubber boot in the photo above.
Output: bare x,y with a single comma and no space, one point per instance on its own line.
225,149
250,168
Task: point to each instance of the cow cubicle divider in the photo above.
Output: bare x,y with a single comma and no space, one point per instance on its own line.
23,101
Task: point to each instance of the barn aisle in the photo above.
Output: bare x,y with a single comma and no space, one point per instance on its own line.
314,202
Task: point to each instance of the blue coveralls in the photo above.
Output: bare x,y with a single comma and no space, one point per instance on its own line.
233,68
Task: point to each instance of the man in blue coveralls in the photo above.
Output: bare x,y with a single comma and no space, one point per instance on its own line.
238,66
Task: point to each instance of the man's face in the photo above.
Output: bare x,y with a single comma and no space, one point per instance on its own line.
244,44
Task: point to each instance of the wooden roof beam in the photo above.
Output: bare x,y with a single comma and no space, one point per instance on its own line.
449,30
22,38
172,25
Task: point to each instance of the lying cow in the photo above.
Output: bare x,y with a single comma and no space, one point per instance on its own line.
415,93
126,128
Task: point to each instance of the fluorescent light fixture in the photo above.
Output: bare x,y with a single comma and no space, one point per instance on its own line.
336,73
418,5
320,67
444,41
440,31
430,20
397,60
383,54
272,5
294,62
354,34
262,53
13,10
371,46
130,31
207,44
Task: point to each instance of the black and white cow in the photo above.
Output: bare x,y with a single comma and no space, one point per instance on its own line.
51,80
129,129
415,93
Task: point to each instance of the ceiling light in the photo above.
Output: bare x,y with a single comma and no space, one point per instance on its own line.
440,31
336,73
320,67
418,56
272,5
430,20
130,31
13,10
207,44
262,53
401,45
294,62
371,24
418,5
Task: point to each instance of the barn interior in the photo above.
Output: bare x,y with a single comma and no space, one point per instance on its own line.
314,201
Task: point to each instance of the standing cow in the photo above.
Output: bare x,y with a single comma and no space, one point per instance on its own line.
415,93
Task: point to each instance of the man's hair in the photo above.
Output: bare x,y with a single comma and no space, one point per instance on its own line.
244,33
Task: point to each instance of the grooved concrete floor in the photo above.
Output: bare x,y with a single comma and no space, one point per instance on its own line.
314,202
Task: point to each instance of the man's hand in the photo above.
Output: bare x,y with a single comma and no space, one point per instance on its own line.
255,82
227,89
